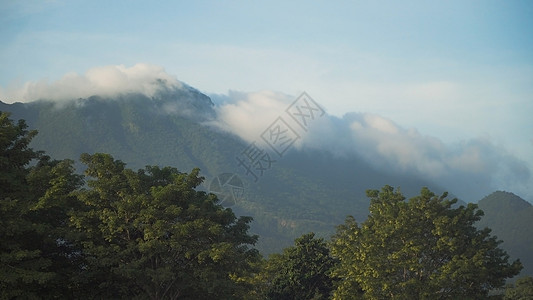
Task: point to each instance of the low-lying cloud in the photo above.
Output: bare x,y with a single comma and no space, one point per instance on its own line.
469,169
106,81
248,114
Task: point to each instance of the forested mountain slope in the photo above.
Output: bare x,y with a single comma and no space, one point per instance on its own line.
306,190
511,220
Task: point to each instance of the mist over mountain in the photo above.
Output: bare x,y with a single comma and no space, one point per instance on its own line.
305,190
143,116
470,168
105,81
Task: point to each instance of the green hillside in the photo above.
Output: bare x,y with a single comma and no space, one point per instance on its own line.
511,220
303,191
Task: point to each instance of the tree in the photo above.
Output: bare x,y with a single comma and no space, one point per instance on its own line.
150,234
36,256
418,249
522,289
301,271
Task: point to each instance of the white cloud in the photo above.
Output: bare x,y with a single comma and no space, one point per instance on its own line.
469,169
104,81
250,114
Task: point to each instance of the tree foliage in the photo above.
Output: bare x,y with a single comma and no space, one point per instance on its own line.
301,271
36,258
126,234
418,249
522,289
151,233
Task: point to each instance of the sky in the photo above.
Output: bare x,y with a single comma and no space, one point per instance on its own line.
447,77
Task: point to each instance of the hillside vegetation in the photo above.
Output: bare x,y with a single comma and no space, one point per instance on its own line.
118,233
304,191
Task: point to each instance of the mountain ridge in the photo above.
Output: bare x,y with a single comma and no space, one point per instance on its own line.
306,190
510,218
135,130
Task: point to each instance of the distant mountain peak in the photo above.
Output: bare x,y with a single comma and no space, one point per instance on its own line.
505,201
166,98
185,101
510,218
107,82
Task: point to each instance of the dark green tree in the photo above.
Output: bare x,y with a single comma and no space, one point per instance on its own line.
300,272
418,249
522,289
151,234
36,256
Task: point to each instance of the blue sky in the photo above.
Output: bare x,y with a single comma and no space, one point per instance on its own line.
454,70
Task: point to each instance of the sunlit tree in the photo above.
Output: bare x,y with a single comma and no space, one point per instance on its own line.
302,271
151,234
422,248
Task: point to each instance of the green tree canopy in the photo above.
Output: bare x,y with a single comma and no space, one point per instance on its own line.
300,272
15,155
151,234
36,257
522,289
418,249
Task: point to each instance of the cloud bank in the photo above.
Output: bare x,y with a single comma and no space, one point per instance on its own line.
470,168
106,81
248,114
